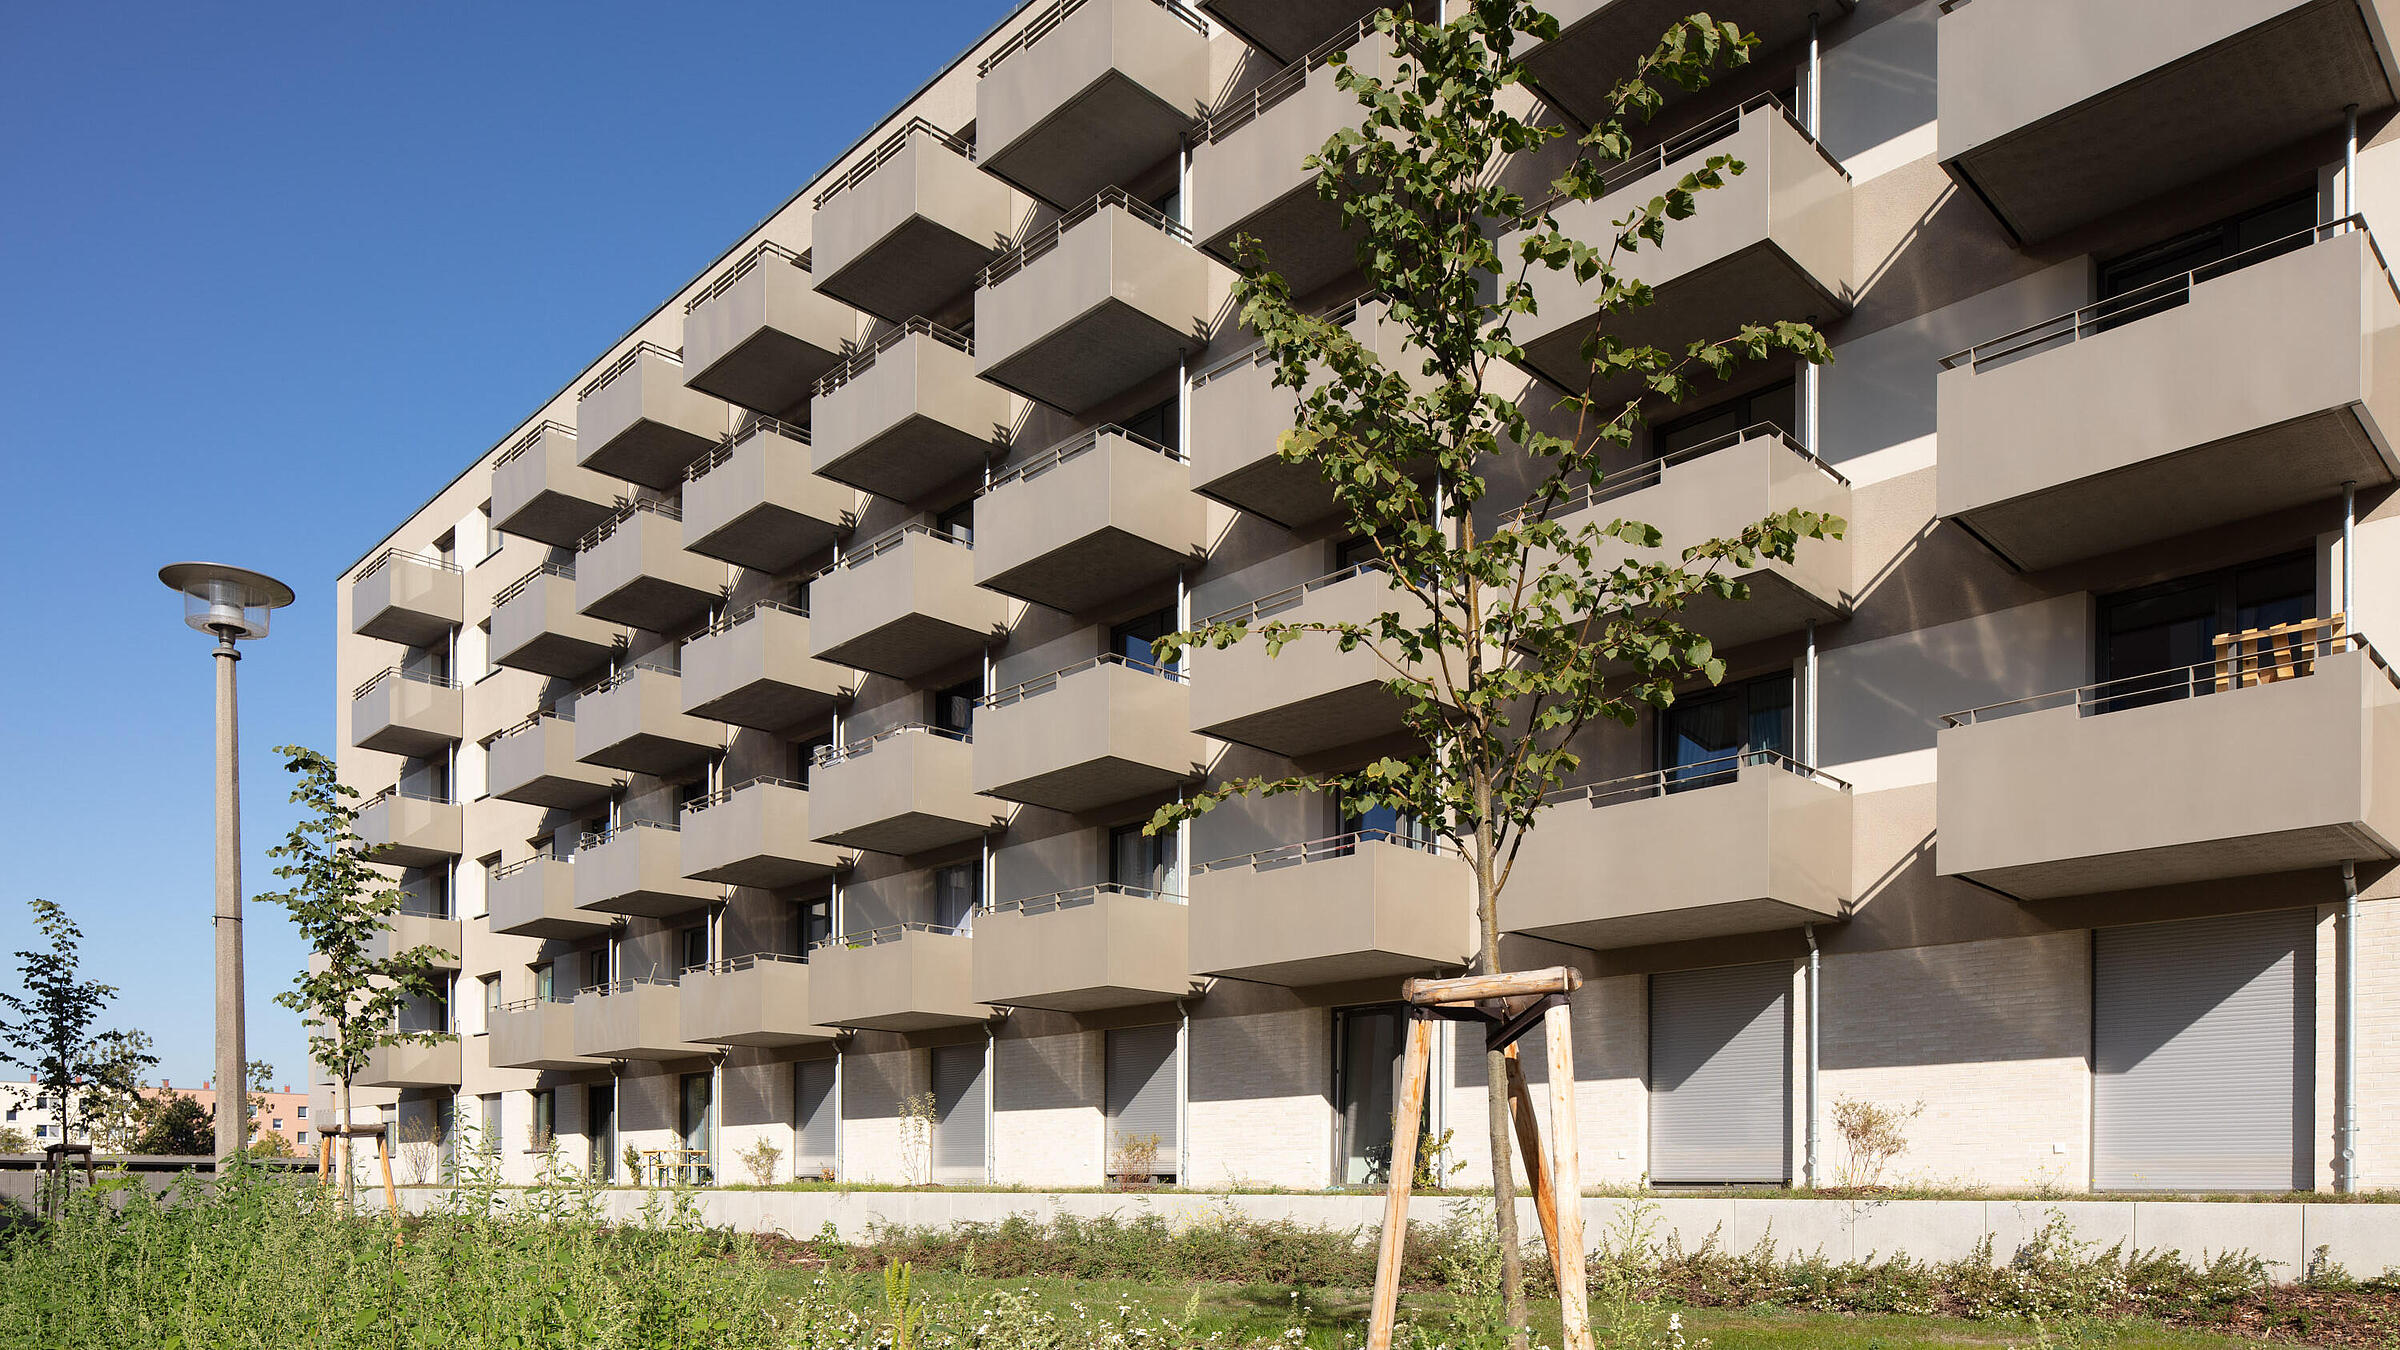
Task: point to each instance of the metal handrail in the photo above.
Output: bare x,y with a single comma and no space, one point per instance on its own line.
628,984
632,357
876,937
395,793
746,613
1045,239
534,1004
1650,473
595,838
828,755
1662,782
533,438
887,541
564,571
1332,846
376,563
1289,595
742,267
1056,14
511,869
527,723
1691,140
891,147
1082,443
1256,354
1077,896
728,964
396,673
617,679
2226,672
625,511
733,440
1241,110
2156,297
1042,684
862,357
725,794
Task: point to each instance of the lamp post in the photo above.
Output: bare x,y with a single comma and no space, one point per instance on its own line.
232,603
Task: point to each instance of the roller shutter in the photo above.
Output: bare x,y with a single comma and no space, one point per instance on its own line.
1720,1074
958,1119
2202,1050
812,1117
1141,1091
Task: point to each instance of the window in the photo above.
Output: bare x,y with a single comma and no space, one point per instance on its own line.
600,1130
41,1131
958,522
1777,404
812,922
304,1139
1387,824
696,1117
426,894
545,982
446,547
488,1122
954,708
1366,1078
1158,424
491,999
1143,862
804,757
545,1119
2150,638
301,1111
276,1123
1358,551
1132,640
1706,737
2276,222
956,893
692,949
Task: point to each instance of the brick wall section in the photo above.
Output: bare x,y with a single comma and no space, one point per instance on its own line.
1994,1037
874,1086
1610,1021
1261,1108
1046,1110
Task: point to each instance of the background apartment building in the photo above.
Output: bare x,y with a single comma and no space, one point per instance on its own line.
765,723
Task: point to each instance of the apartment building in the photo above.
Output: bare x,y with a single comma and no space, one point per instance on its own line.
764,725
279,1112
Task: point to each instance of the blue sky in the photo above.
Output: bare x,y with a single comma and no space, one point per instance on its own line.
269,275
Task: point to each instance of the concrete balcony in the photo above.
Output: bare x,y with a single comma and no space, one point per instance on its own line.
414,599
903,605
1311,696
536,1034
401,712
751,1000
905,414
1600,41
403,932
905,230
1714,491
536,626
901,791
1772,244
1753,844
2260,383
535,897
2057,112
760,335
401,829
1248,174
638,422
1099,732
908,977
1354,907
1238,413
534,762
1082,523
412,1066
637,869
540,492
752,669
632,1019
1288,29
2233,768
755,834
1082,950
755,502
1088,94
634,720
1093,304
633,570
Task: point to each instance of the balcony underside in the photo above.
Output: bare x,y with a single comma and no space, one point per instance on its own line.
558,791
908,834
1601,41
2299,850
554,517
1092,784
767,704
1299,233
1081,573
907,647
1281,493
1682,924
648,452
645,903
1341,717
655,604
649,752
1758,284
770,372
769,537
2304,460
910,458
1107,134
562,655
1288,29
915,269
1093,357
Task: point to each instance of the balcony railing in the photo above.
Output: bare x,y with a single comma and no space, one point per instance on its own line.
1043,684
1077,896
1079,444
828,755
564,571
888,151
761,426
2243,660
889,933
396,673
626,510
862,360
1317,850
1045,239
1051,16
626,361
1278,601
761,253
1651,473
401,555
1686,777
1241,110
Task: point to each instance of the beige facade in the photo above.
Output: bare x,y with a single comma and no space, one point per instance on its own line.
764,724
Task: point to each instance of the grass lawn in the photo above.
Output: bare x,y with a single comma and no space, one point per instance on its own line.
1334,1318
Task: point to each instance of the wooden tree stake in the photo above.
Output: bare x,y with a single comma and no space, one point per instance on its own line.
1566,1183
1415,1062
325,1161
391,1194
1529,1143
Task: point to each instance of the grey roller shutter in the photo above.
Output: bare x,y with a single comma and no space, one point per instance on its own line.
2202,1051
1720,1074
1140,1066
958,1123
812,1116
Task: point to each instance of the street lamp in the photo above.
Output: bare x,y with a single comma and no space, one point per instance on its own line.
232,603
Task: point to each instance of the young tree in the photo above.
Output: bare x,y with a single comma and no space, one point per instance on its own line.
1510,631
13,1140
175,1125
113,1102
260,1075
350,998
47,1029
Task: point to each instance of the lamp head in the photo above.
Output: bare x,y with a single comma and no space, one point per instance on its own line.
229,602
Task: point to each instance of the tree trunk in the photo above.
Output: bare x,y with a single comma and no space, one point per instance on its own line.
341,1112
1495,1080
